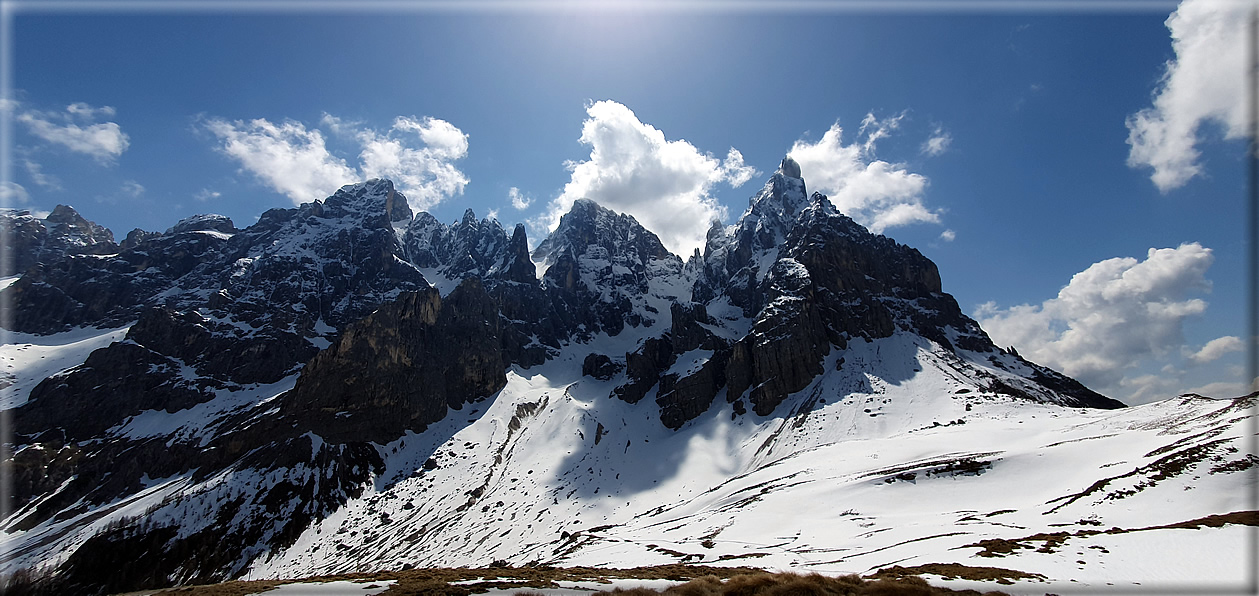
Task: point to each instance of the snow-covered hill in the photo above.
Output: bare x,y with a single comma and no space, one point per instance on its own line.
345,386
872,465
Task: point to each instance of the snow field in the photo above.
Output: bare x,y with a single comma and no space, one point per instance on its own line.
821,486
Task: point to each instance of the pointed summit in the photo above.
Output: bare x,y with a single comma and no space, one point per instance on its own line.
516,264
782,197
734,256
375,201
789,168
589,224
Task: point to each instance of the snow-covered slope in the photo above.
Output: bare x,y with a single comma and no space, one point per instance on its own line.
898,458
348,386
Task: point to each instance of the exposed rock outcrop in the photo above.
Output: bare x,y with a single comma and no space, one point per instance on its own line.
599,366
402,367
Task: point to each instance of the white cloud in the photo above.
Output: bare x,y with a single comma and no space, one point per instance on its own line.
12,193
425,175
76,130
87,112
633,169
36,172
339,126
296,161
1113,317
937,143
875,129
441,137
948,235
519,200
206,194
875,193
1204,83
734,171
1217,348
286,157
132,188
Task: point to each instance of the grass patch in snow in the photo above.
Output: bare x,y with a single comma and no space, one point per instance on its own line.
467,581
957,571
1000,547
776,584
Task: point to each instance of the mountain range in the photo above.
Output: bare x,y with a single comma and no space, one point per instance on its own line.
348,385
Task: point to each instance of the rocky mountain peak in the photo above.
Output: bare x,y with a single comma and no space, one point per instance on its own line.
68,227
62,233
789,168
376,197
781,199
589,224
203,223
517,266
737,258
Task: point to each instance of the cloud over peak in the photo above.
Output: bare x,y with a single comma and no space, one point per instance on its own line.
1112,317
875,193
634,169
295,160
287,157
426,175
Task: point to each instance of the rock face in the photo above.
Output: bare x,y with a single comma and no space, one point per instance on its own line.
402,367
599,366
270,368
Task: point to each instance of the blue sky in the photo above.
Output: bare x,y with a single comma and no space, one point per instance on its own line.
1016,148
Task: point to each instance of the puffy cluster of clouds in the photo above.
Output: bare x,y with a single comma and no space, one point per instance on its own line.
519,200
287,157
418,154
1216,348
1204,83
634,169
1112,318
77,129
875,193
426,174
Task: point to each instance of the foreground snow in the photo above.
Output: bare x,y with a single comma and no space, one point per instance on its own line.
859,472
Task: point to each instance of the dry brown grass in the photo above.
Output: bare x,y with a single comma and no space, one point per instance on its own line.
437,581
958,571
1050,541
794,584
699,581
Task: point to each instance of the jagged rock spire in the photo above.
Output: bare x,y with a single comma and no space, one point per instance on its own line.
789,168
